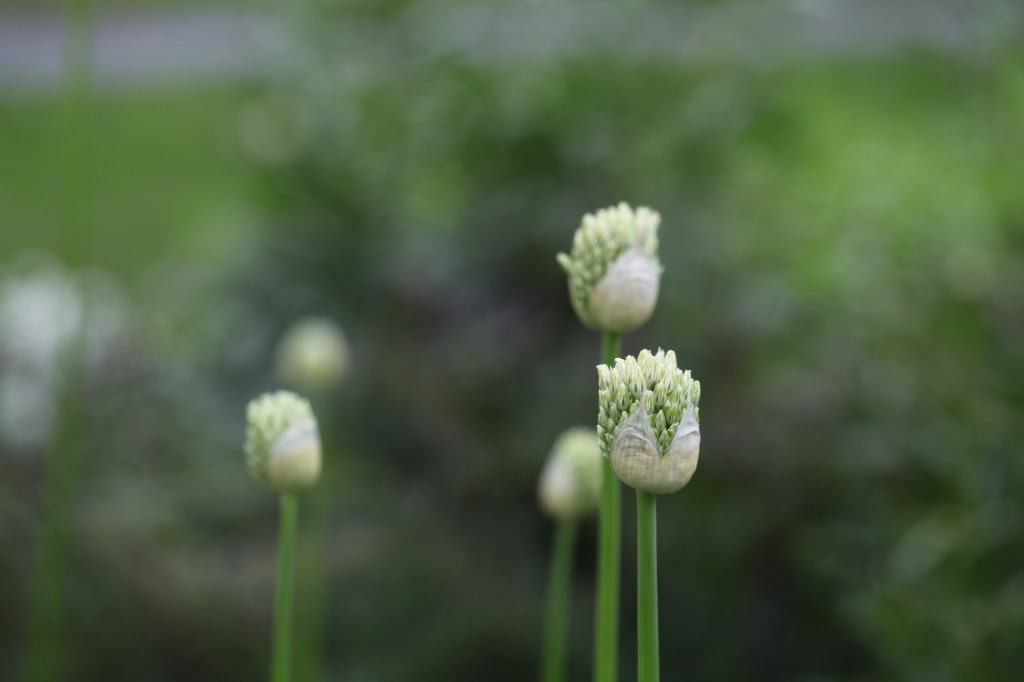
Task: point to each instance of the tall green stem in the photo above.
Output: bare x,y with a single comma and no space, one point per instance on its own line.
281,666
45,652
559,591
312,570
606,628
647,586
45,655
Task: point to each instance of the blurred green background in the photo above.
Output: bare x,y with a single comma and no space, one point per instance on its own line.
843,238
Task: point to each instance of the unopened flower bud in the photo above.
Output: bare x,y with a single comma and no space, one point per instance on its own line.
614,272
313,355
282,442
648,421
570,484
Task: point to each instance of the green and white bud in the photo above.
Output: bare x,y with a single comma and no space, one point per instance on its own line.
614,272
570,484
282,442
313,355
647,421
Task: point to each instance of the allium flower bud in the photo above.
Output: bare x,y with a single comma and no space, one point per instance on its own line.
313,355
570,484
613,270
282,443
647,421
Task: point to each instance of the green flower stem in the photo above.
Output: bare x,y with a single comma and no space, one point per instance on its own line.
46,653
281,670
559,591
46,650
606,629
314,563
647,586
312,569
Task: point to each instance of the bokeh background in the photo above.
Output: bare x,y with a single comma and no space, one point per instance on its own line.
843,238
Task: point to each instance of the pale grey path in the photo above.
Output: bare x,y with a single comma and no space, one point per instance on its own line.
194,44
132,48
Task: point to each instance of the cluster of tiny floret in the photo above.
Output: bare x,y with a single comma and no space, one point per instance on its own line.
269,416
600,240
656,380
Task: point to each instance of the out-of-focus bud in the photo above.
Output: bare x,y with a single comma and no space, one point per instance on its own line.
570,484
52,319
648,421
282,442
614,272
313,355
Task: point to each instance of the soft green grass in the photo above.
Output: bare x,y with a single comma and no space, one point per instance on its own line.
170,181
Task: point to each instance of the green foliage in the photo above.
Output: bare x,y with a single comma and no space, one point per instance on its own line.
842,244
838,265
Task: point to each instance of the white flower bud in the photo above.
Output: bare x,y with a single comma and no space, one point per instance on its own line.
282,442
313,355
50,315
570,484
625,297
648,421
614,272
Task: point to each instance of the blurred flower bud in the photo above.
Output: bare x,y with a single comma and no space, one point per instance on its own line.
282,443
570,484
647,421
50,315
313,355
613,270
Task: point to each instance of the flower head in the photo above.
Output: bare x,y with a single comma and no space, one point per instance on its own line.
647,421
613,268
282,443
313,355
570,484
